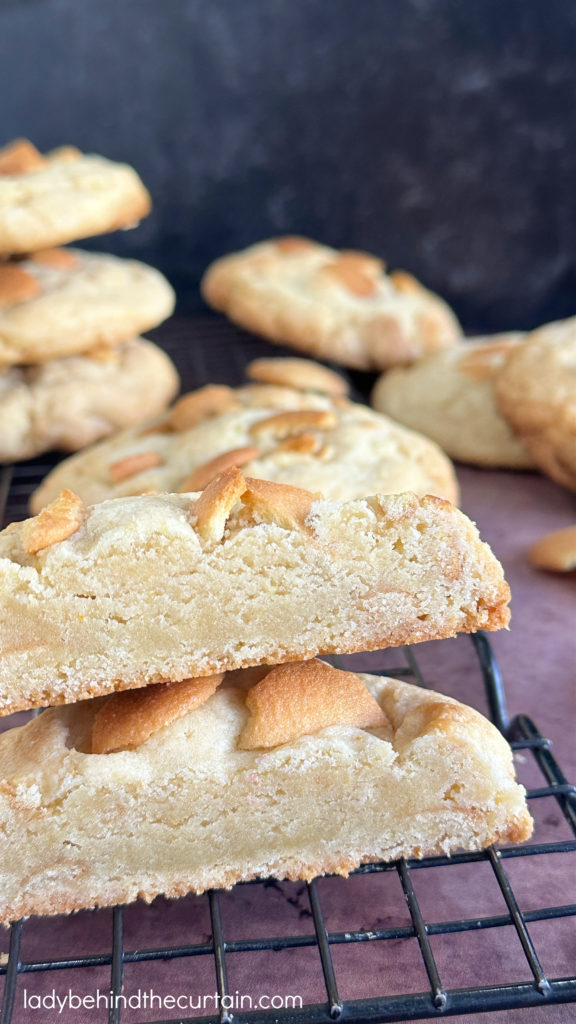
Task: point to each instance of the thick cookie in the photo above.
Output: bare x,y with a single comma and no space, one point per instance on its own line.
69,403
449,396
169,587
64,301
536,391
47,200
334,304
428,777
294,437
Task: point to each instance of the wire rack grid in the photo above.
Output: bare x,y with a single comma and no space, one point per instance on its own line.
440,996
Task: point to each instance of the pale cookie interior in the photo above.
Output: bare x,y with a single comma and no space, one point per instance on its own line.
189,810
128,598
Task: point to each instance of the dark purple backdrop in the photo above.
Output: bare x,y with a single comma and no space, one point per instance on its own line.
439,133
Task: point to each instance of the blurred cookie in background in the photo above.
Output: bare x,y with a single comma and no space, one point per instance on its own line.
450,397
63,301
69,403
339,305
61,196
536,391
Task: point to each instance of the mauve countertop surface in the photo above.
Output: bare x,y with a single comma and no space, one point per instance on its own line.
538,659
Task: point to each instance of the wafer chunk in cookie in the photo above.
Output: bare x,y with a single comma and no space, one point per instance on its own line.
61,302
129,598
126,720
303,374
536,392
57,197
450,397
303,438
68,403
429,777
304,697
335,304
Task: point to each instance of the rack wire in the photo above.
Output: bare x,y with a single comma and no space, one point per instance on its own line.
441,995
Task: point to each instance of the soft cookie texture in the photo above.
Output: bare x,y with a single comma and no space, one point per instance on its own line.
47,200
536,391
167,587
189,809
64,301
68,403
449,396
303,438
334,304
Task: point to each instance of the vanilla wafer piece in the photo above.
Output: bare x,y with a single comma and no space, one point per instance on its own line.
302,374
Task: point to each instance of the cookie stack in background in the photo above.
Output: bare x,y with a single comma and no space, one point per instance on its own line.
72,365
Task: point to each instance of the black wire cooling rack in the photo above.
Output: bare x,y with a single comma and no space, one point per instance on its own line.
441,995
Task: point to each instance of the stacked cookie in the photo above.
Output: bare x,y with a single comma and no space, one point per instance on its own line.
204,749
72,367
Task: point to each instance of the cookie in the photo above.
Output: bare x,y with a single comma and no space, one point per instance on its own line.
123,594
47,200
449,397
335,304
429,776
555,551
68,403
64,301
536,392
277,433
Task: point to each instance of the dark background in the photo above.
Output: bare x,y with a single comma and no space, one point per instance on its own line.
437,133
